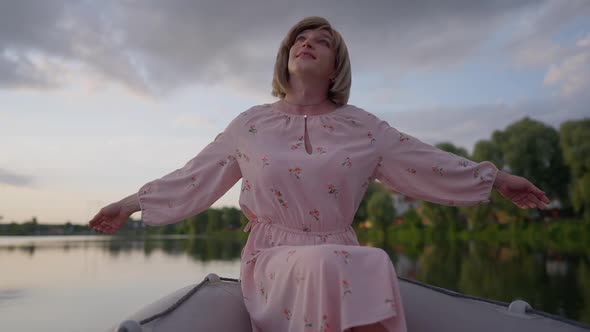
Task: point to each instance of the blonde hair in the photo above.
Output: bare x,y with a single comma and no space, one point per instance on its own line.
339,90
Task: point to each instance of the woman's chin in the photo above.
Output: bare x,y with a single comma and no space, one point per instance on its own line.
305,68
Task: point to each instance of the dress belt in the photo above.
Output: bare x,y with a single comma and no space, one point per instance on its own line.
253,222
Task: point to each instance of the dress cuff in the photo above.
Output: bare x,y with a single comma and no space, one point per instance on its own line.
486,174
142,196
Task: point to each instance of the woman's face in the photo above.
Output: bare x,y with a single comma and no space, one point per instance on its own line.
313,51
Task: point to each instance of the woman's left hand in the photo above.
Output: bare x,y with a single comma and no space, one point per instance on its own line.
520,191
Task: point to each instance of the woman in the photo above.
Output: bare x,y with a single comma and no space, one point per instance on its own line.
305,163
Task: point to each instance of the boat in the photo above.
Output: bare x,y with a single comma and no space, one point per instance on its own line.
216,304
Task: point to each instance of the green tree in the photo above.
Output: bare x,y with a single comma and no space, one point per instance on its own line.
487,150
584,281
214,222
531,149
168,229
230,217
243,220
30,227
362,213
182,227
381,211
198,224
499,209
482,214
575,145
452,148
412,219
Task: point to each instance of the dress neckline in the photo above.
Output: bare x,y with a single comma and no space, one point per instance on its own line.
337,110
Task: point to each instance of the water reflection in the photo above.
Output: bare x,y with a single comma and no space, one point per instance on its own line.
556,282
10,295
549,281
199,249
62,279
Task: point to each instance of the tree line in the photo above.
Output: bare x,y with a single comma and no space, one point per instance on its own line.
556,160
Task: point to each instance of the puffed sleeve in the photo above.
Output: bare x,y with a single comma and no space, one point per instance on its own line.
193,188
422,171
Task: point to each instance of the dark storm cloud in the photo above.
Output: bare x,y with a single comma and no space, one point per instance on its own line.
156,46
9,178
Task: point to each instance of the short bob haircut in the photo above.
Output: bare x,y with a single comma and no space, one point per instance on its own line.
339,87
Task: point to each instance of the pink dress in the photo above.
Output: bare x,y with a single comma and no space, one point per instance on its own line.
302,268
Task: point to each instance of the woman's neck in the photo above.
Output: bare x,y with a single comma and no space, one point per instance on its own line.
307,96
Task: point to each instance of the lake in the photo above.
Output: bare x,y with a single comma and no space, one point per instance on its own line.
89,283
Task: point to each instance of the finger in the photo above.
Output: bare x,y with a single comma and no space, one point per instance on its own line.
103,227
535,201
536,190
97,224
111,230
523,202
520,205
94,220
520,199
543,200
103,221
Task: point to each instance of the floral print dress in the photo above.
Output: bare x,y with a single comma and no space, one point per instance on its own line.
302,268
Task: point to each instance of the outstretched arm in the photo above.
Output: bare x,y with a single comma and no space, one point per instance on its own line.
425,172
520,191
112,217
182,193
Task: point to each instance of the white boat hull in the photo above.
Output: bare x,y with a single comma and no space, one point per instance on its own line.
218,305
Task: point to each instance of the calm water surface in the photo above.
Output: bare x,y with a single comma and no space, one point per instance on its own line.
89,283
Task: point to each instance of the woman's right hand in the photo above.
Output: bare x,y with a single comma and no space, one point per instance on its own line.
520,191
110,218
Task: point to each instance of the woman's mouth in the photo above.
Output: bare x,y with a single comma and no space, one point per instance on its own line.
305,53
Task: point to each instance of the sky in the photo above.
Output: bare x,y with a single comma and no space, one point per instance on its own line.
99,97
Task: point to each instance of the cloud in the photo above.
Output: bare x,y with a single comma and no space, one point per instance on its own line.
155,47
12,179
572,72
535,42
540,43
26,28
193,121
466,125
